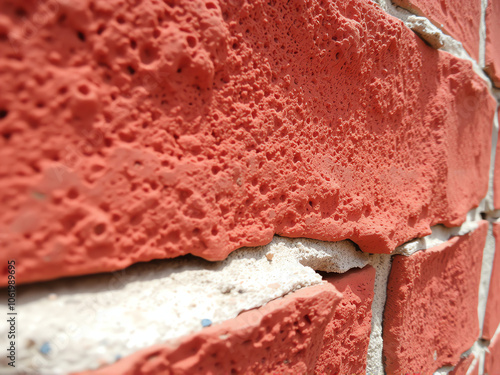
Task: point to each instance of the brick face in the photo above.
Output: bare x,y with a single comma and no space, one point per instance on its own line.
346,339
284,337
458,18
492,314
203,137
492,58
430,317
140,130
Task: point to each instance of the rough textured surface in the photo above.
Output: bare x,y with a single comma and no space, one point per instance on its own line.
345,343
431,315
492,357
382,265
284,337
202,127
173,297
458,18
492,314
463,366
492,48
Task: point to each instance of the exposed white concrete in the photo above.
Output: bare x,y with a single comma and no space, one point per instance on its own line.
482,34
439,235
478,350
443,370
80,323
382,264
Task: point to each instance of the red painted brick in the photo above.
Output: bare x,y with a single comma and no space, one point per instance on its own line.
492,314
283,337
463,366
346,339
458,18
431,308
492,357
145,130
492,58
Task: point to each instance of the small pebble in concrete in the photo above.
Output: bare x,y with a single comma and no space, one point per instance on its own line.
45,348
206,322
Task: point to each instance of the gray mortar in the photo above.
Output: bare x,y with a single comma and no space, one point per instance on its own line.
382,264
439,235
161,301
114,315
482,34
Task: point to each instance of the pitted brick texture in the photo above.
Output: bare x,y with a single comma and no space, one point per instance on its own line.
283,337
492,57
144,130
430,316
492,314
346,339
457,18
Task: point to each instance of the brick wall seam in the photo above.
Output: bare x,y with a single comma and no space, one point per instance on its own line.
485,345
382,265
296,259
382,262
426,30
487,265
249,278
488,203
482,34
440,234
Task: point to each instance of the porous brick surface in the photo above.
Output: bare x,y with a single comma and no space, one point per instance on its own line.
492,314
283,337
492,357
492,48
144,130
430,316
457,18
346,339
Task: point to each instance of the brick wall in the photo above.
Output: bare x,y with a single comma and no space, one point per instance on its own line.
251,187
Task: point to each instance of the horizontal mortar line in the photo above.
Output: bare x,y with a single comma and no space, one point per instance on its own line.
454,48
163,300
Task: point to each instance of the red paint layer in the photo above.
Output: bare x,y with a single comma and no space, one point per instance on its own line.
457,18
492,57
492,314
430,317
345,343
145,130
283,337
492,357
